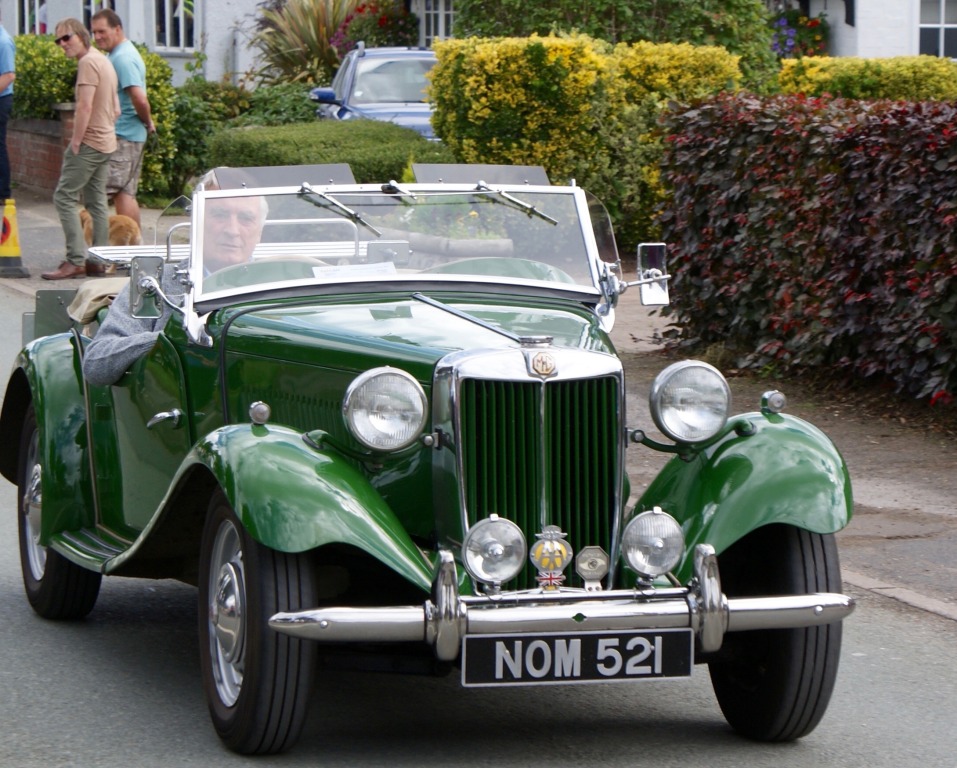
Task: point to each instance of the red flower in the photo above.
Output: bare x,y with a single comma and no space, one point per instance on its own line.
942,396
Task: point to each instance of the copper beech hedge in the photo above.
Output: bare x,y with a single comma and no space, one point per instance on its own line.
817,232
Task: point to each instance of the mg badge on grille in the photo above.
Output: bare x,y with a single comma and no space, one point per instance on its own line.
550,555
542,364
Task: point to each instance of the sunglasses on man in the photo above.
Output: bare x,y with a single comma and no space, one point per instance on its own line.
63,38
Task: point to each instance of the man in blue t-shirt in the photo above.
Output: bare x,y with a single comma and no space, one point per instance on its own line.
8,52
135,122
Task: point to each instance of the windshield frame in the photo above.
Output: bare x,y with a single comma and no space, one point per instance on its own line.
587,289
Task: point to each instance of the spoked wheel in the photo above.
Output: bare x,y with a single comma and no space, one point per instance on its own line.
55,587
258,682
775,684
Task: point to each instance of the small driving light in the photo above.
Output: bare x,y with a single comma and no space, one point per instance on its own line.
773,401
652,543
385,409
690,401
494,550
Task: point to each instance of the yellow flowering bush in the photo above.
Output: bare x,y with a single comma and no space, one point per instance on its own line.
905,78
579,107
678,71
527,101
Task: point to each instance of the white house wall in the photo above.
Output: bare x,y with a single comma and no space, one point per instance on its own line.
882,28
219,26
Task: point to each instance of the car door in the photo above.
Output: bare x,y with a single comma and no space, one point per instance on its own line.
141,434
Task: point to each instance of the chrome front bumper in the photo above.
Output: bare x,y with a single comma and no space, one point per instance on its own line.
444,620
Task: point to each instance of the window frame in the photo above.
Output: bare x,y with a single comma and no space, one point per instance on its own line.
168,13
945,33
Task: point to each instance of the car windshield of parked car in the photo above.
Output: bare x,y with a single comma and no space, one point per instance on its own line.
533,235
383,80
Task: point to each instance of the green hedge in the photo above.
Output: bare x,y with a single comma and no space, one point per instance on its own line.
376,151
44,77
817,232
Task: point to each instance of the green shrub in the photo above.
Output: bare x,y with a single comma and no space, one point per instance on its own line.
376,151
908,78
279,104
160,150
44,77
202,108
294,40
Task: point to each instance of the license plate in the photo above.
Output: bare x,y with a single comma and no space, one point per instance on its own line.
578,657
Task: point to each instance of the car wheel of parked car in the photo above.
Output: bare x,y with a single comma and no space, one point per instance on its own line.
257,681
775,684
55,587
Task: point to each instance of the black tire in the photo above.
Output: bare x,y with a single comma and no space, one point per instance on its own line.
258,682
55,587
775,685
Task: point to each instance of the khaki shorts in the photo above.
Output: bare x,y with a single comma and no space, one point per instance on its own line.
125,165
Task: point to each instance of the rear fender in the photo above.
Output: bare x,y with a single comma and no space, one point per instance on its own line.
293,498
785,471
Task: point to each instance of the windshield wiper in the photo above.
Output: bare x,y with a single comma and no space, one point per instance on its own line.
531,210
331,202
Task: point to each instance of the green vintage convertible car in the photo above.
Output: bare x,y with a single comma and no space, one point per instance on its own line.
394,433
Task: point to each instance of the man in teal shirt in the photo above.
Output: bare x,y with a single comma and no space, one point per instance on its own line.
7,76
135,122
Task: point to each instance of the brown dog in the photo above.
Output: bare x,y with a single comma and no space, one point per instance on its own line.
123,230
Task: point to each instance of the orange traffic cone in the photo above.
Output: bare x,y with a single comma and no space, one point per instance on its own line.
10,265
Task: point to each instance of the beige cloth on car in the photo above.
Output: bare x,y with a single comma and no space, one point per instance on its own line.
94,295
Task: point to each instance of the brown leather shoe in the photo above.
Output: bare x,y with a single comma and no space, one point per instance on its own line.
65,270
95,268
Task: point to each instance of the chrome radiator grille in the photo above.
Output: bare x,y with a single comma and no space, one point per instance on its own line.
543,454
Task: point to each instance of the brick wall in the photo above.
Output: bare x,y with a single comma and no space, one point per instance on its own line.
36,151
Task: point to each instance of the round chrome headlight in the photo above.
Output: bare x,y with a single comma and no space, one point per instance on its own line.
690,401
653,543
494,550
385,409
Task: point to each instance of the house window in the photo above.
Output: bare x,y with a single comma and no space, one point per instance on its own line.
90,7
436,20
174,25
938,28
33,18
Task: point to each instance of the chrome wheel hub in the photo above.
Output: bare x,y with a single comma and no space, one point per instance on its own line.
227,613
31,507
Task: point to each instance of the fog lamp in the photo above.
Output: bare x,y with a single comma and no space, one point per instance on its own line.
652,543
385,409
494,550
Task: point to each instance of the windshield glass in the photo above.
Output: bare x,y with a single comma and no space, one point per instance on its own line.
382,80
327,234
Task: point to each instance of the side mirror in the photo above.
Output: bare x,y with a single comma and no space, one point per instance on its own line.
653,274
146,273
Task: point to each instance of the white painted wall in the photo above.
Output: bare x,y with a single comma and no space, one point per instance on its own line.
882,27
219,25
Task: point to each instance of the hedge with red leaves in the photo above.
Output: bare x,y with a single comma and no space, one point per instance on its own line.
817,232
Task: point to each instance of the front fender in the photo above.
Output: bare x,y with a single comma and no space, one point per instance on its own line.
786,471
293,498
47,373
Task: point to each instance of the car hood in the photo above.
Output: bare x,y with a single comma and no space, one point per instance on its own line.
405,333
414,115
